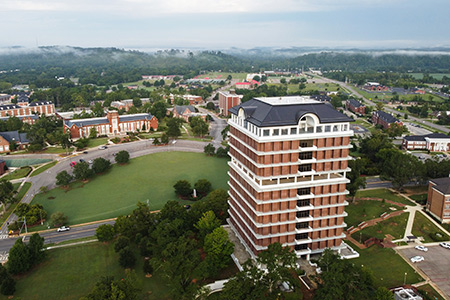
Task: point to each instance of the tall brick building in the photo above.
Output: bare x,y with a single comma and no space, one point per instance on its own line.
287,173
227,100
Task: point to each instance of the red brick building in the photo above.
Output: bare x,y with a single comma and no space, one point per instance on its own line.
2,167
379,117
438,201
111,125
287,173
45,107
8,137
186,111
355,106
227,100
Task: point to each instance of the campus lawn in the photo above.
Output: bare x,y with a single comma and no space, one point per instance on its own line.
394,226
19,173
383,194
97,142
117,192
57,150
71,272
366,210
388,267
424,227
428,290
43,168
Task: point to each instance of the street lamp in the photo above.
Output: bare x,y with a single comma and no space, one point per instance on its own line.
404,281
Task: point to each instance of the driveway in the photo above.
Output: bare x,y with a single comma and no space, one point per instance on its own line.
436,265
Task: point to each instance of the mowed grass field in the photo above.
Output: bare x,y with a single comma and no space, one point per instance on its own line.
70,273
145,178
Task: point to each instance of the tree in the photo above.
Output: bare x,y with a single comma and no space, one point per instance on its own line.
183,188
341,279
18,260
58,219
159,110
156,142
101,165
217,201
398,167
203,187
8,286
137,102
209,150
254,282
210,105
93,133
35,249
121,243
207,223
81,171
218,249
396,130
383,293
174,127
108,288
199,126
356,180
221,152
122,157
63,178
164,139
6,193
127,259
105,233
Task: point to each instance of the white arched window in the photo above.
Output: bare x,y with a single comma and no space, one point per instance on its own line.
307,123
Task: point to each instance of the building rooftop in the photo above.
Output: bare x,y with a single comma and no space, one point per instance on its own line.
355,103
282,111
387,117
442,185
422,137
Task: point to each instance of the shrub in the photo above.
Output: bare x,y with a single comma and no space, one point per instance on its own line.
127,259
8,286
122,157
203,187
121,243
105,233
183,188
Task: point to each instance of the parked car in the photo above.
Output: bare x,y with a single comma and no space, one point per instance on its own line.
417,258
63,228
72,164
421,248
85,152
82,160
90,161
102,148
445,245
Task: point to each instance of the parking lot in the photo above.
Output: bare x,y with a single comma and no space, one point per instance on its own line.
436,265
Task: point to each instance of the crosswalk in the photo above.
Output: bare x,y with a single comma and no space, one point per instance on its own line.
3,236
4,256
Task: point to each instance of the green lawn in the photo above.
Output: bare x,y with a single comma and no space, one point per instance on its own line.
145,178
424,227
394,226
19,173
43,168
428,290
57,150
388,267
383,194
71,272
419,198
366,210
97,142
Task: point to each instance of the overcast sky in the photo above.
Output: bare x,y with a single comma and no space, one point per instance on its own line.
221,24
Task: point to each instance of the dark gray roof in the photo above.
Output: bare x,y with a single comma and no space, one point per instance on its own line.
263,114
387,117
355,103
15,136
442,185
182,108
98,121
39,103
422,137
9,106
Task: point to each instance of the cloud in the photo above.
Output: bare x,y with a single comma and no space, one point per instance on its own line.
157,7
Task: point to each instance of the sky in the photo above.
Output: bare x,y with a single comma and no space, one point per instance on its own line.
222,24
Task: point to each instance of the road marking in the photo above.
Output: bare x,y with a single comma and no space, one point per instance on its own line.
4,236
4,256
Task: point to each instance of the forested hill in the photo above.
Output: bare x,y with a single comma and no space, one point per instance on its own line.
106,66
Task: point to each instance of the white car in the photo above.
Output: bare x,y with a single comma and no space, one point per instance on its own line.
63,228
421,248
91,162
417,258
102,148
445,245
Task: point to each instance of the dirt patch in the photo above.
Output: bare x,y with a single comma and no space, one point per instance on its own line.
51,198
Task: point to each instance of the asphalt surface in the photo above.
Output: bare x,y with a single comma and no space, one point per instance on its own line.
436,265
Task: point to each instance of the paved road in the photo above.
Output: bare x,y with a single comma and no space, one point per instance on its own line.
216,127
393,111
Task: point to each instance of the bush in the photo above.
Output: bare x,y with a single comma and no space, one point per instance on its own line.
121,243
101,165
122,157
148,268
8,286
183,188
203,187
105,233
437,237
127,259
58,219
